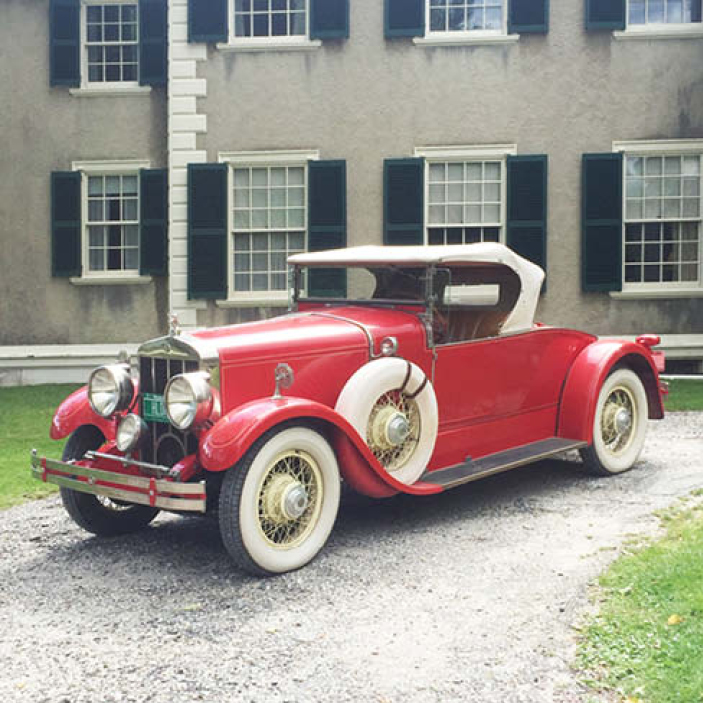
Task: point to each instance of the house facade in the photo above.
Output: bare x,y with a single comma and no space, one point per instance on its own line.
166,156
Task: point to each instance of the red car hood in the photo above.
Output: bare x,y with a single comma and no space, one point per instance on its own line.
320,330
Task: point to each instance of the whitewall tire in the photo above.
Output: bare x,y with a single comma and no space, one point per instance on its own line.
279,503
619,425
392,405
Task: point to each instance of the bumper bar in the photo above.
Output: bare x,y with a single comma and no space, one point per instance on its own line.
142,490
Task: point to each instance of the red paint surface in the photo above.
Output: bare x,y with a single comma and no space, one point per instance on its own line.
74,412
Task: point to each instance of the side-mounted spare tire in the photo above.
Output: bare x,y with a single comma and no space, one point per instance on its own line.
392,405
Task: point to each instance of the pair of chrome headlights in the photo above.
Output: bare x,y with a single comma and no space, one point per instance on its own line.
188,401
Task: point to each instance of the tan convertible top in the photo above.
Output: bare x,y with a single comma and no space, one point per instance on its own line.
486,253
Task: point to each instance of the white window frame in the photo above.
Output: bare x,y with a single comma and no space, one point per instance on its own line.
301,42
662,289
244,159
463,154
471,36
124,167
662,30
103,89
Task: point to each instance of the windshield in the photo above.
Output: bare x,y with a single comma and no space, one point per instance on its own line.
389,284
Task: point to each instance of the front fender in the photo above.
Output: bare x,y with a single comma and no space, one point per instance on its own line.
74,412
580,393
230,438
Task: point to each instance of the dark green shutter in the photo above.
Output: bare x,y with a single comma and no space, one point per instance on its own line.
605,14
153,222
152,42
601,215
207,231
403,201
207,20
528,17
404,18
527,207
66,223
327,224
329,19
65,48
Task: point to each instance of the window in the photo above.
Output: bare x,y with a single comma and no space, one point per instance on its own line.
269,224
465,201
111,43
660,12
662,220
270,18
466,15
112,225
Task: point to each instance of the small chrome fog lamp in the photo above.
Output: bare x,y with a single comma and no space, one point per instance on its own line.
389,346
110,389
129,433
188,399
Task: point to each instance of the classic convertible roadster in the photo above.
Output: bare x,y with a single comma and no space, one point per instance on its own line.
427,374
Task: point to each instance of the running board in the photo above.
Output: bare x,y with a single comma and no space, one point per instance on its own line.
472,470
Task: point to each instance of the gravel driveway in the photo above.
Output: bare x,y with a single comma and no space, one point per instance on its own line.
470,595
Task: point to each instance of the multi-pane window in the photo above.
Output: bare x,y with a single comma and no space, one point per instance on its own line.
269,224
642,12
464,202
112,227
111,43
465,15
270,18
663,219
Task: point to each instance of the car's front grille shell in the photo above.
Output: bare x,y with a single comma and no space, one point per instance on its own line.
165,444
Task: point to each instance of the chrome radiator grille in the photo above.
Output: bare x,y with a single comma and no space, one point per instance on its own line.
166,445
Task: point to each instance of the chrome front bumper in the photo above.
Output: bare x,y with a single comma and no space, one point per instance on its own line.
143,490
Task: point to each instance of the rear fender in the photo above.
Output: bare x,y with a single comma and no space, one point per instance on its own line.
591,367
232,436
75,412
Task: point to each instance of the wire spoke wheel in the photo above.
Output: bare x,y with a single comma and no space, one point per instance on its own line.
289,499
393,429
617,420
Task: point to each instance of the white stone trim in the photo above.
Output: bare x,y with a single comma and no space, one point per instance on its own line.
274,44
119,166
483,151
254,302
29,365
471,39
117,280
661,294
692,30
110,91
269,158
184,124
659,146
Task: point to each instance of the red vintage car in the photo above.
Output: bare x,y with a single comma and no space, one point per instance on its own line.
427,374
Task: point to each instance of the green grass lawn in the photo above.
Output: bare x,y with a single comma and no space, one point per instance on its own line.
684,395
647,641
25,418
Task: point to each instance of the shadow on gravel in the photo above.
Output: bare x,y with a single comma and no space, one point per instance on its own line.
192,546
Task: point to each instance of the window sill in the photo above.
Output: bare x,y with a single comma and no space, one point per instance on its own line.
684,31
657,294
271,45
110,92
464,40
110,280
253,303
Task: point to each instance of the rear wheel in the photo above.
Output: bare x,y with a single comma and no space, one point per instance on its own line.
98,514
279,503
619,426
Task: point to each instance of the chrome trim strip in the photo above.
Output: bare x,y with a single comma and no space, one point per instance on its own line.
168,495
360,325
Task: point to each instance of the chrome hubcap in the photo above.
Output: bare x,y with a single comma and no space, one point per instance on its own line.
623,420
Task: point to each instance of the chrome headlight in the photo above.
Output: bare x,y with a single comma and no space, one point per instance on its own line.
110,389
131,430
188,399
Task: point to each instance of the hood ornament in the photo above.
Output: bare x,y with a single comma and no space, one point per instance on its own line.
283,376
174,327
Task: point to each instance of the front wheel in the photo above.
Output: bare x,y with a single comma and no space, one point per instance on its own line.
619,426
98,514
279,503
